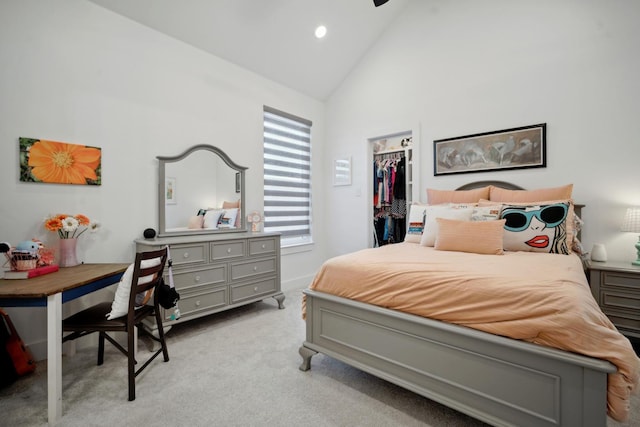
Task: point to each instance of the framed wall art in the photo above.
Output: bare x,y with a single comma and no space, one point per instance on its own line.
170,191
56,162
516,148
342,171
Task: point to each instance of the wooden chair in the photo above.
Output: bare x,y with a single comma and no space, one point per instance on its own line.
93,319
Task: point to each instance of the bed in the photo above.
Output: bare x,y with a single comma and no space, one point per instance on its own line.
484,373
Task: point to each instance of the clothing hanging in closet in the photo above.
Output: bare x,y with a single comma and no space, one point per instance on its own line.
389,198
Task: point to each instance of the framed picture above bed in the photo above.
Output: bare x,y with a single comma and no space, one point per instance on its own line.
515,148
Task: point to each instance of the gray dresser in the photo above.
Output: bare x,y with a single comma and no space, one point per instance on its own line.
616,287
216,272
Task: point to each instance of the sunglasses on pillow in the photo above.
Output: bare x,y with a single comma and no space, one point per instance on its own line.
518,219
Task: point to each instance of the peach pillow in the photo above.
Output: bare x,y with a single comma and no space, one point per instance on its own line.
478,237
437,197
497,194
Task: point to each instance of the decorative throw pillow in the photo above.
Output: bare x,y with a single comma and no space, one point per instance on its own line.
120,304
228,219
416,222
479,237
229,205
544,227
497,194
196,222
437,197
212,218
486,213
433,213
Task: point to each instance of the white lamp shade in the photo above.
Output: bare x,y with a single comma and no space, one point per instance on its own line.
631,221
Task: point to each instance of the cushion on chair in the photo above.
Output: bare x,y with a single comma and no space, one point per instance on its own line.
121,299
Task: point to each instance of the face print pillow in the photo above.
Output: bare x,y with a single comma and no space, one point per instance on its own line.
539,228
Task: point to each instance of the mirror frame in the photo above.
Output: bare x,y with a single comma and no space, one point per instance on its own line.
163,160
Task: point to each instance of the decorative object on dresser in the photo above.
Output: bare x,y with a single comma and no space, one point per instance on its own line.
631,224
254,218
616,287
216,272
598,252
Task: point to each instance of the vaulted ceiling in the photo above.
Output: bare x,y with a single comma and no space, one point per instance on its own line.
273,38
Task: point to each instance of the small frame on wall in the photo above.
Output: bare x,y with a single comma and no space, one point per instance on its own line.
170,191
342,171
515,148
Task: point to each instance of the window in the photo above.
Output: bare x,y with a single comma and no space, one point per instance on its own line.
287,176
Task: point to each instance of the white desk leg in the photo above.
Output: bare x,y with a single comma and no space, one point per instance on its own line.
54,357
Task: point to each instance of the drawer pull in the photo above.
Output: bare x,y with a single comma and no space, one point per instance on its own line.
185,255
229,250
255,268
197,278
198,303
264,246
255,289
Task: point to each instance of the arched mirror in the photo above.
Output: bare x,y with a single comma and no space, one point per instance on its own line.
200,191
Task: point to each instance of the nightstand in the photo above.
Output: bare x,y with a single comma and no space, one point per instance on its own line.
616,287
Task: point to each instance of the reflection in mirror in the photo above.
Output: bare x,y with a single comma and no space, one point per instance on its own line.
202,180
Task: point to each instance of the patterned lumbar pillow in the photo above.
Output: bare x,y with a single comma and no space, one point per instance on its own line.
538,227
416,223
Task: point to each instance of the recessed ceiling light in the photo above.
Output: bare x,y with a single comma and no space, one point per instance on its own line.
321,31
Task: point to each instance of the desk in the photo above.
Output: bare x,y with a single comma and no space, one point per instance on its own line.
51,291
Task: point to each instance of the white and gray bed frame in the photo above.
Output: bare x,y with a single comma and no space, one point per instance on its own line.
501,381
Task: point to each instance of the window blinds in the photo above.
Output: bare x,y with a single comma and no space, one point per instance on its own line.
287,176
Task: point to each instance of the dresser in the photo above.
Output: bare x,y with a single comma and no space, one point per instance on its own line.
616,287
216,272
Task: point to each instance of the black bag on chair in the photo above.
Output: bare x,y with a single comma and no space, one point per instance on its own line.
167,295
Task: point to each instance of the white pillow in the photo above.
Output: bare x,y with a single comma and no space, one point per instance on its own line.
212,218
431,225
228,220
416,222
120,304
486,213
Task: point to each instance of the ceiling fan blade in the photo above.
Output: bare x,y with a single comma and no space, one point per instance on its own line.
379,2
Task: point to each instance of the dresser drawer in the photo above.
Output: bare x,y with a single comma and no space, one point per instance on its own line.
188,255
209,276
227,250
252,290
243,270
622,280
262,246
627,323
202,301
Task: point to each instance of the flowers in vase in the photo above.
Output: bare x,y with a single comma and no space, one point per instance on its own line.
70,226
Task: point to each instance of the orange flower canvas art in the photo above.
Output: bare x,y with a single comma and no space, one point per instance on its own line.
59,162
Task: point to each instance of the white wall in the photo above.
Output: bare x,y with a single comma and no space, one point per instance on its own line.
71,71
463,67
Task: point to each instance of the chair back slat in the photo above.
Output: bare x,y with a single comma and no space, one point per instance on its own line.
148,269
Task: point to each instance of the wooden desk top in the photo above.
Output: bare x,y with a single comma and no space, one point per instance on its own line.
60,281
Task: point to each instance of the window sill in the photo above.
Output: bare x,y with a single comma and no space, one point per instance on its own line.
297,248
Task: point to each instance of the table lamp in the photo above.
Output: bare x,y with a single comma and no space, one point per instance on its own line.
631,223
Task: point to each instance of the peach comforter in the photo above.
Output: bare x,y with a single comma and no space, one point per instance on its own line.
536,297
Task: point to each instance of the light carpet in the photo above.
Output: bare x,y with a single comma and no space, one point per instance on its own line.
236,368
